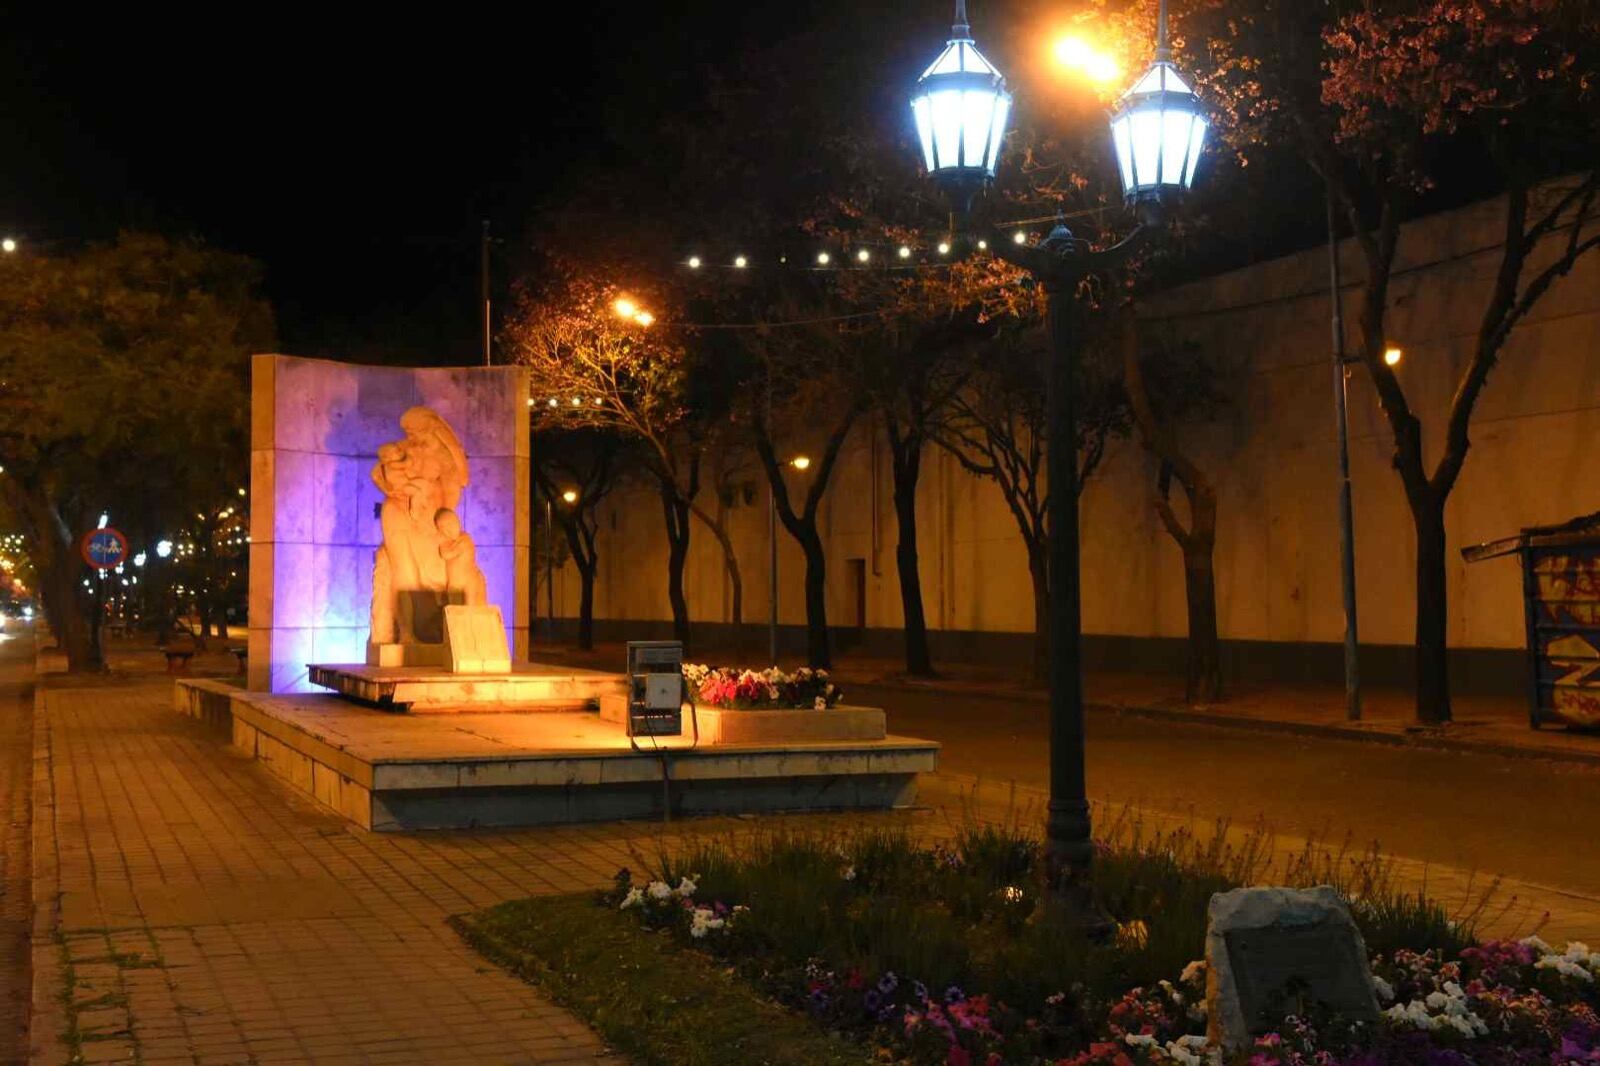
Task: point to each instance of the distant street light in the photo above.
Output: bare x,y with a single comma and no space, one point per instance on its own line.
8,245
961,106
163,548
1076,54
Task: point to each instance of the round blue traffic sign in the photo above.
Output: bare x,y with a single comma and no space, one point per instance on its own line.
105,548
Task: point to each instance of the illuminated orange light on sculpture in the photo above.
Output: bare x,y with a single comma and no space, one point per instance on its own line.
800,462
1393,354
569,496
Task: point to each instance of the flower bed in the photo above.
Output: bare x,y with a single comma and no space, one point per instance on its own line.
949,956
762,690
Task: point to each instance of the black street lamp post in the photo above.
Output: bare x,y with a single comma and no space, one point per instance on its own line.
961,107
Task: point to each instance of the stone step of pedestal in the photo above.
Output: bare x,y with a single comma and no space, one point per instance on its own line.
431,690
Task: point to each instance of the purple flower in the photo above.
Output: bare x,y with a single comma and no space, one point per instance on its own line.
919,990
872,1001
888,983
819,1000
953,994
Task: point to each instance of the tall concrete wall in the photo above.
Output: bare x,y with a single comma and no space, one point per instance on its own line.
314,434
1273,459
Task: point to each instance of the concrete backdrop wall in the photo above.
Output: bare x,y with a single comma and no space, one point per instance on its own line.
1274,462
315,429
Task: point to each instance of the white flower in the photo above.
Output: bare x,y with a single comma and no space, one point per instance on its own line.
1187,1050
659,890
1011,894
1564,966
1139,1040
703,921
1537,945
686,887
848,873
1383,988
634,897
819,704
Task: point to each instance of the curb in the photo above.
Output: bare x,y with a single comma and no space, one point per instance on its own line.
1408,739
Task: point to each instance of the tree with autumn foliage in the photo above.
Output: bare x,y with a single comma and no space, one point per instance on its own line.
1376,97
596,368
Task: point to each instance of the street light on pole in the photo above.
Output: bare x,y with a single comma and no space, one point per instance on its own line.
961,107
799,462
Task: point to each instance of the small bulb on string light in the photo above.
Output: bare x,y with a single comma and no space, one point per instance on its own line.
823,258
530,401
863,255
740,262
944,247
983,246
551,402
694,262
905,252
1019,237
577,402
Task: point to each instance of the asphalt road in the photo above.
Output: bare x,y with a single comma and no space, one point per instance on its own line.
16,776
1531,819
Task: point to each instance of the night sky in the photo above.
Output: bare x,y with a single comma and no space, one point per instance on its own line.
354,159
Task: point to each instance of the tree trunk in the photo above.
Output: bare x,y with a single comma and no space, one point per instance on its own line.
63,573
1433,677
676,513
817,652
1200,591
907,465
586,606
1039,570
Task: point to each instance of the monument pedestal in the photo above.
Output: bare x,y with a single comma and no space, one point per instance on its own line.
408,655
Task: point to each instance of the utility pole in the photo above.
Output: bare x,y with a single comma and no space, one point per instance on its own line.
483,285
1347,535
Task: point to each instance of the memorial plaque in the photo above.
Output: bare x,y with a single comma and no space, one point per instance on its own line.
477,640
1293,970
1272,952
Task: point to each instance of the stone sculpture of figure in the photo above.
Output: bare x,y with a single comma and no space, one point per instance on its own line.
461,573
419,476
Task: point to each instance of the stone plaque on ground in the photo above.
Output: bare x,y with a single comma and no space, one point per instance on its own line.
477,640
1271,952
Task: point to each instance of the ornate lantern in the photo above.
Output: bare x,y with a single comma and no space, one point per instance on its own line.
961,107
1158,129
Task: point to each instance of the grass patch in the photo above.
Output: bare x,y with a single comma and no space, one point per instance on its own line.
653,1000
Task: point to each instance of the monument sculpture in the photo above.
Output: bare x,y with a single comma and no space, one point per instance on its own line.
426,560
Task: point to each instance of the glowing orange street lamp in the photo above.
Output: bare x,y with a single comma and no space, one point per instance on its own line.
1393,354
1079,56
569,497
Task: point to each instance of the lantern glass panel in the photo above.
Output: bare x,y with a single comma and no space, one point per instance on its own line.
1145,129
1121,141
946,104
922,110
1197,138
1174,145
997,131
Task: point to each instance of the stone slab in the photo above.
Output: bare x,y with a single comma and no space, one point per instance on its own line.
1271,952
391,655
386,771
476,637
432,690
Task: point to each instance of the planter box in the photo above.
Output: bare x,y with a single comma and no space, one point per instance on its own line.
720,726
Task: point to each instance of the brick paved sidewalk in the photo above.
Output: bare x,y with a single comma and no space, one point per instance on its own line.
201,912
